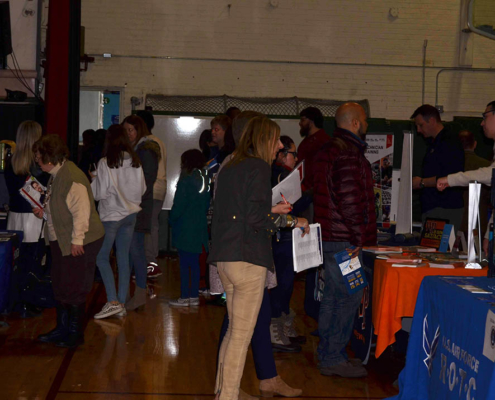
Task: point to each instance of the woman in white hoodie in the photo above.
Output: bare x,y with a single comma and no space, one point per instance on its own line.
119,186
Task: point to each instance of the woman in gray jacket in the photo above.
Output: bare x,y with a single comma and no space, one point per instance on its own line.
241,242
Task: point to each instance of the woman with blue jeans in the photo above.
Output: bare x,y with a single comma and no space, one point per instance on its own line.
118,186
189,226
149,154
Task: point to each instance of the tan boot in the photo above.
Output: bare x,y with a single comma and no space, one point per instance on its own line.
244,396
270,387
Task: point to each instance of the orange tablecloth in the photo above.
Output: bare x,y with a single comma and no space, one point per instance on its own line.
394,296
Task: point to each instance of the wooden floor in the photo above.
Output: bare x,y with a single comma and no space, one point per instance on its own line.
159,353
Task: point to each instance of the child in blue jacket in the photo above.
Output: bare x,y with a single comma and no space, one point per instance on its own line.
188,221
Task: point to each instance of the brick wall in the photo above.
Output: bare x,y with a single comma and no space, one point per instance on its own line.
307,48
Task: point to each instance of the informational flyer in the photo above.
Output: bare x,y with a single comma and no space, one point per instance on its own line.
352,271
308,249
380,154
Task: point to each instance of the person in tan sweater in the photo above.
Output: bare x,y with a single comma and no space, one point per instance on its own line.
75,233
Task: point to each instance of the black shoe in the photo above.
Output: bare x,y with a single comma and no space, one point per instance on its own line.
216,301
75,336
298,339
289,348
345,369
61,330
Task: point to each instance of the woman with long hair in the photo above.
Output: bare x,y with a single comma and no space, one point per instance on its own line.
75,233
188,221
22,165
241,232
118,186
21,217
149,155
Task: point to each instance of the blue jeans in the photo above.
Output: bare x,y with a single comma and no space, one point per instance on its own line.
138,259
189,262
261,342
281,294
337,311
121,233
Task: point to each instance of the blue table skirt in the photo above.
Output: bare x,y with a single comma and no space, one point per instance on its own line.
451,349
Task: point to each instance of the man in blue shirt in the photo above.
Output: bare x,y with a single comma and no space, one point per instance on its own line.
445,155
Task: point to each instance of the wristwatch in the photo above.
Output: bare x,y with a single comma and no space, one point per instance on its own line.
422,184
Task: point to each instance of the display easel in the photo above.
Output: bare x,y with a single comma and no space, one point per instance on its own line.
404,205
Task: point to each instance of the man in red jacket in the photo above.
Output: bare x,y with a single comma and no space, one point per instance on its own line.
345,207
311,128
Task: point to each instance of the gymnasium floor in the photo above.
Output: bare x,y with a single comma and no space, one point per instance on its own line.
160,353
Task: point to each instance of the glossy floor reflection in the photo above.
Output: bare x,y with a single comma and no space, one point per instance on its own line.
159,353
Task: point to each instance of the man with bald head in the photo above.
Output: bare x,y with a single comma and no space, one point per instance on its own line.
345,207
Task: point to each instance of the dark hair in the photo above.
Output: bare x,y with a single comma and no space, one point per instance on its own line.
229,144
116,144
239,123
204,139
232,112
313,114
148,119
191,160
491,104
52,149
223,120
287,142
427,111
139,125
467,139
89,138
100,136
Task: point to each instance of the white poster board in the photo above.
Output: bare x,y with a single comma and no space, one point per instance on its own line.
404,217
182,133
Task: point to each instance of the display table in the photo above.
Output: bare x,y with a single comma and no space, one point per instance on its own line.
394,296
451,350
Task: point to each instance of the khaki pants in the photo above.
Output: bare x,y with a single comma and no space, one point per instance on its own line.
244,284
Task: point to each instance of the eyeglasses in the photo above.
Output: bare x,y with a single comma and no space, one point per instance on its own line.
294,153
484,115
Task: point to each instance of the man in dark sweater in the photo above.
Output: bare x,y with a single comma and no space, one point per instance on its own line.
444,156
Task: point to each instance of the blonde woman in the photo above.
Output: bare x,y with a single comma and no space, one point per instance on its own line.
241,232
21,217
22,165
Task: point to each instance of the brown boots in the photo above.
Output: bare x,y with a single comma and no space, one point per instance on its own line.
270,387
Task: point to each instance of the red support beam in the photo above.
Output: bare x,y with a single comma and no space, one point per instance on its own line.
57,68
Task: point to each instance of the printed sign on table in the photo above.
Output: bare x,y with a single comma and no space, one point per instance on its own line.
380,154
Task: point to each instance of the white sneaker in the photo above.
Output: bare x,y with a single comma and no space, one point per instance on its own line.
108,310
194,301
123,313
180,302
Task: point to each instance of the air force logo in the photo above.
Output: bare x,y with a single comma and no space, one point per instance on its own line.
430,348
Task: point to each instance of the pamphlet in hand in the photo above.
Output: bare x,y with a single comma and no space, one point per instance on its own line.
290,187
34,193
308,250
352,272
